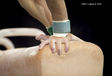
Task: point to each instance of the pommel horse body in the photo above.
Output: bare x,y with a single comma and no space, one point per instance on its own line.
83,59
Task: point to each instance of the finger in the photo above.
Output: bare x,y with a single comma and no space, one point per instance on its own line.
76,38
42,37
58,43
72,37
38,37
43,44
69,36
52,46
66,45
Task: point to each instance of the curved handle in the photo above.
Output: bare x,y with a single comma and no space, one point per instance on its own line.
17,32
7,43
20,32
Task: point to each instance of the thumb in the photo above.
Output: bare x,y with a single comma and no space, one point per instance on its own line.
42,37
72,37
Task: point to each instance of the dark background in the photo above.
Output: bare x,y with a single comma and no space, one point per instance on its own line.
86,21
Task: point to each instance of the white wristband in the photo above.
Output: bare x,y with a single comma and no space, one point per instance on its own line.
60,34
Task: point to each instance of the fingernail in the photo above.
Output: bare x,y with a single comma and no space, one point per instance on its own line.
66,50
53,50
40,47
36,38
59,52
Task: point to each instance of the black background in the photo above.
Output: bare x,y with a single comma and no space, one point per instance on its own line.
87,21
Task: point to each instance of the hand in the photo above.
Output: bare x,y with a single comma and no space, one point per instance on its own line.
55,42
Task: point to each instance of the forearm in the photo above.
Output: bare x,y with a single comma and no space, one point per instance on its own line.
38,9
61,23
58,9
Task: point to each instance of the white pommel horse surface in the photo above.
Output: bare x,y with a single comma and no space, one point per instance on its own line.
83,59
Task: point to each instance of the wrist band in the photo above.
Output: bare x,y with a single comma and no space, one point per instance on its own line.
60,34
50,30
59,27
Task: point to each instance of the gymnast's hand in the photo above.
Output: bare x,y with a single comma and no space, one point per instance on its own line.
55,43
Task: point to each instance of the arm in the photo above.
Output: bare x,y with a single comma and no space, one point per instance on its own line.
38,9
61,27
58,9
